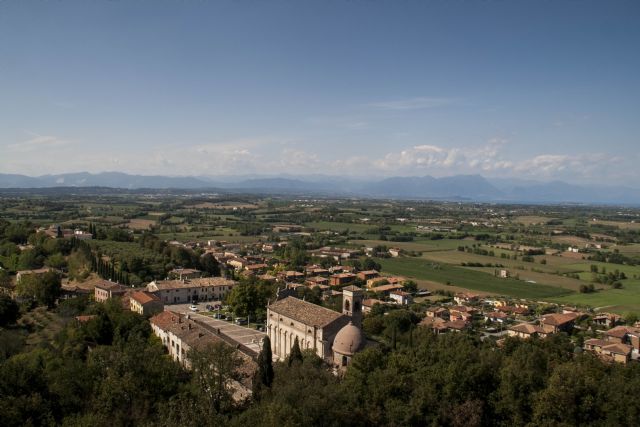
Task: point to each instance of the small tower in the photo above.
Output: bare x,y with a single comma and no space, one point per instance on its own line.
352,304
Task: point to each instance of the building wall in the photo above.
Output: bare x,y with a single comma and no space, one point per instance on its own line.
186,295
101,295
283,330
146,309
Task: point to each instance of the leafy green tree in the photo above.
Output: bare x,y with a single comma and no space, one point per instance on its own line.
5,279
210,265
56,260
410,286
214,369
371,264
42,288
30,259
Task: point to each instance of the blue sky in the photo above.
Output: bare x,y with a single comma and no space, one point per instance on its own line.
529,89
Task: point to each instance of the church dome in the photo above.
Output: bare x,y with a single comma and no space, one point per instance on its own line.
349,340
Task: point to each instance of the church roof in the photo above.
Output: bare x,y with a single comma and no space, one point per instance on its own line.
348,340
305,312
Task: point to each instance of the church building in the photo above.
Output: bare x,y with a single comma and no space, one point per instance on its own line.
334,337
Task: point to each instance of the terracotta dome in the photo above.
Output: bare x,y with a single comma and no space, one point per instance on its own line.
348,340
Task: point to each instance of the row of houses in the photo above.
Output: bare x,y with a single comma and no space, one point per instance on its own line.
619,344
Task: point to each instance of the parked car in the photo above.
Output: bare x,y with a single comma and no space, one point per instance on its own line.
241,321
193,308
209,307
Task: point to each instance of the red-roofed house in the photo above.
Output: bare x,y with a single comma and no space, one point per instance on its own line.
145,303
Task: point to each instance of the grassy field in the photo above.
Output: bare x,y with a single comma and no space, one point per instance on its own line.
609,299
141,224
629,270
629,250
532,219
620,224
469,279
354,226
418,245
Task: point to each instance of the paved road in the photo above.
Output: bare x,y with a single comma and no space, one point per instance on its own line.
247,336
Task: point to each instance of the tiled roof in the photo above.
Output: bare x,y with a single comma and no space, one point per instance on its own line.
144,297
200,282
617,332
370,302
618,348
385,288
164,319
110,286
558,319
527,328
596,342
305,312
433,322
457,324
212,281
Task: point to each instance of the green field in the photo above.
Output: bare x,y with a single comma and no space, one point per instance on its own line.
418,245
469,279
609,299
353,226
628,270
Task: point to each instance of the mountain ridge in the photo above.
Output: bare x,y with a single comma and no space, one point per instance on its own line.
456,187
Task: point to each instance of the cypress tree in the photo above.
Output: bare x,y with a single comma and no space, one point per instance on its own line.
264,375
296,354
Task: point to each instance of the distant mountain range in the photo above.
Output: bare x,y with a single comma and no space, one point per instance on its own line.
458,187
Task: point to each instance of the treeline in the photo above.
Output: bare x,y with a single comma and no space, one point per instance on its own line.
454,380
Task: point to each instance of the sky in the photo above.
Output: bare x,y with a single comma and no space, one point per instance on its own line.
540,90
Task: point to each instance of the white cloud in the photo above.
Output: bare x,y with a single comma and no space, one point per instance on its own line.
276,156
38,142
418,103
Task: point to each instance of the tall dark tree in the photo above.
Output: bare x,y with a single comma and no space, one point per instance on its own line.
265,363
296,353
210,265
9,311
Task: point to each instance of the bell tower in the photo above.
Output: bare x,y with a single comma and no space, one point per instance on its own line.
352,304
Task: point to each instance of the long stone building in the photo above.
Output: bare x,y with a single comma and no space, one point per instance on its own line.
186,291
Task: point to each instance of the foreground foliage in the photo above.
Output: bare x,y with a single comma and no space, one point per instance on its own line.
112,371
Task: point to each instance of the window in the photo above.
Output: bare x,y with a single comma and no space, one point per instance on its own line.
344,360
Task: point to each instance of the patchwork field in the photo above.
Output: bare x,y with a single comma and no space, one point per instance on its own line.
469,279
418,245
141,224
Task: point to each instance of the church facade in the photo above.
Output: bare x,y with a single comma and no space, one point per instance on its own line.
333,336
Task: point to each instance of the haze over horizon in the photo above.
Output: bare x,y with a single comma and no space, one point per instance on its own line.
529,90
